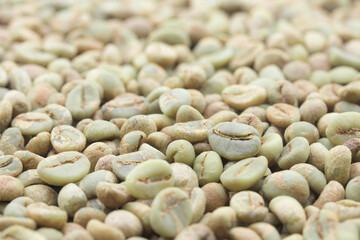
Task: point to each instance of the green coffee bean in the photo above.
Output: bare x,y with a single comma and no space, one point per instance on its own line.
125,221
142,211
112,84
188,113
47,216
17,207
345,209
216,196
249,207
152,99
30,177
352,189
221,221
290,213
317,156
10,165
320,77
194,131
58,114
28,159
332,192
124,107
208,167
149,178
83,101
140,123
6,111
326,143
161,120
41,193
20,232
32,123
123,164
282,92
234,141
159,140
296,151
50,233
161,53
198,203
152,151
306,88
243,232
63,168
6,222
97,204
85,214
342,127
243,96
223,116
172,100
347,230
195,231
251,120
170,36
216,84
344,106
350,92
71,198
220,58
20,80
112,195
10,188
282,115
337,164
288,183
180,151
99,230
266,231
11,140
54,79
19,102
67,138
302,129
325,219
40,144
89,182
101,130
271,148
313,176
4,79
339,57
273,72
170,212
244,174
132,141
184,176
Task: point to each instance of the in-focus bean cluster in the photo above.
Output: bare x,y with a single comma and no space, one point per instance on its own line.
180,119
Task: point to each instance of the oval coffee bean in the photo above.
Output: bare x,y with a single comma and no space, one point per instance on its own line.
67,138
288,183
32,123
243,174
149,178
63,168
234,141
170,212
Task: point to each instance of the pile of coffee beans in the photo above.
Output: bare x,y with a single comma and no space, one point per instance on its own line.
179,119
